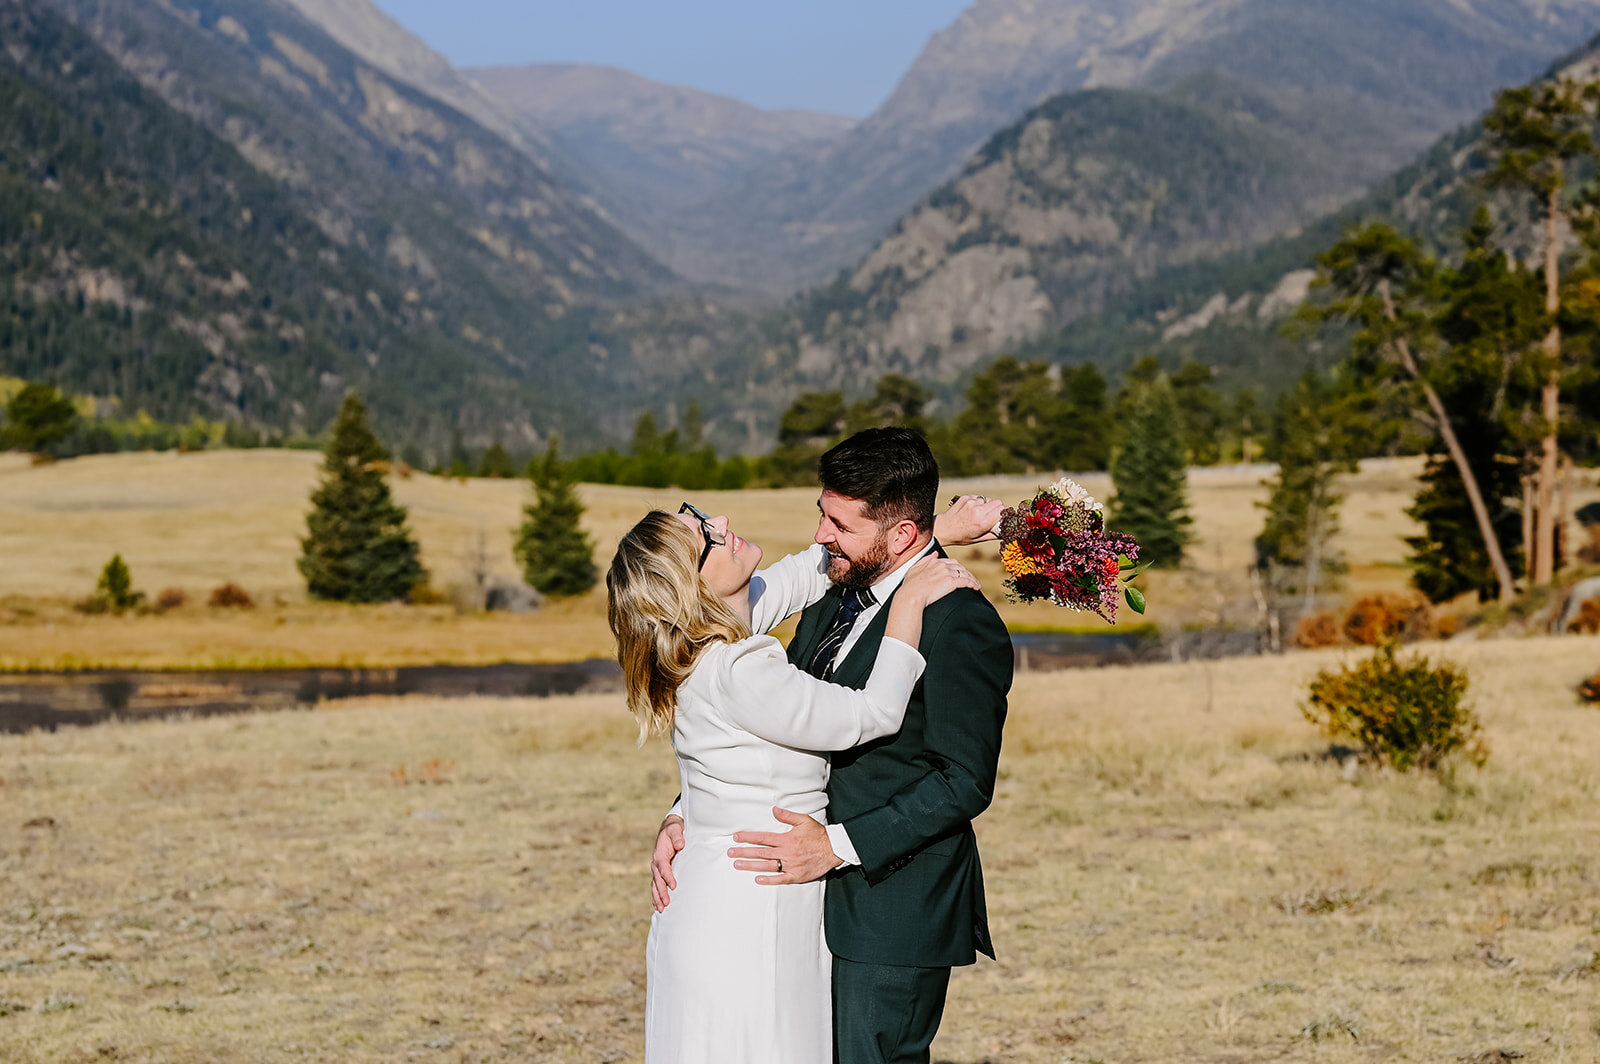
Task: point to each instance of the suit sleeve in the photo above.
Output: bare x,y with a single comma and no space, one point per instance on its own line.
968,675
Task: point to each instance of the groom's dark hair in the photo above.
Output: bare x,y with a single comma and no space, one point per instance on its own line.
891,470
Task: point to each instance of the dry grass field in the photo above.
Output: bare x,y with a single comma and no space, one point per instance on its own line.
194,521
1176,872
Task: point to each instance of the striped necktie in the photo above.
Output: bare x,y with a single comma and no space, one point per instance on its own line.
850,606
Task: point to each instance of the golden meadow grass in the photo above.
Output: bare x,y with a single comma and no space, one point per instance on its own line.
195,521
1175,873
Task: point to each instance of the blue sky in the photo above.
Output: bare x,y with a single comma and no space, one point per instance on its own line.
842,56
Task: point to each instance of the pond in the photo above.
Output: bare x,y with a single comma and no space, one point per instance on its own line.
52,699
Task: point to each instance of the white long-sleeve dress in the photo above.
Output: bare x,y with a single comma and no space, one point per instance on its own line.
738,973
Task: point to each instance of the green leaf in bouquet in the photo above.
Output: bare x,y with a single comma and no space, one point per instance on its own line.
1124,562
1136,573
1135,599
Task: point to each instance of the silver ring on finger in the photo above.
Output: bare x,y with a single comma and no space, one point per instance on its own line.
780,864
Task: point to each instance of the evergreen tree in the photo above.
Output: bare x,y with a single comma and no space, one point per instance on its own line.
1316,435
808,427
358,548
116,586
1151,502
38,417
556,554
1535,134
1199,413
1384,282
1081,427
496,462
896,400
1493,313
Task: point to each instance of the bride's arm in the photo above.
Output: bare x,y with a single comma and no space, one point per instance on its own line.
795,581
767,696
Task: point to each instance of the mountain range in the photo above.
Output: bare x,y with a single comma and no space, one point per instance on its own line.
299,197
1364,83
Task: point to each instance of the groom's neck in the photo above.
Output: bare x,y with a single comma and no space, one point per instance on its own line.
918,545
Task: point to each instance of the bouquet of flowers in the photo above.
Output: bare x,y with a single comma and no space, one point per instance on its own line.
1055,546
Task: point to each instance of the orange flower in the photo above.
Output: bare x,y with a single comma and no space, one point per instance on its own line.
1016,560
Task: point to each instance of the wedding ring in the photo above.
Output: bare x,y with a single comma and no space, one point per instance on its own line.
780,864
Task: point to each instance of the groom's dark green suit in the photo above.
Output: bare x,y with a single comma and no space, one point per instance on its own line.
914,907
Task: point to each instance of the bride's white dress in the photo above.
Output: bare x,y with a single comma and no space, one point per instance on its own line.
738,972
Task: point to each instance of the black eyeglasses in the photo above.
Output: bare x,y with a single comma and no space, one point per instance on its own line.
712,538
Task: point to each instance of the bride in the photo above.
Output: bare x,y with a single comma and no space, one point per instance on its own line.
739,972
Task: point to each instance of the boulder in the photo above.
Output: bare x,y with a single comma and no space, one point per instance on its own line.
506,597
1582,592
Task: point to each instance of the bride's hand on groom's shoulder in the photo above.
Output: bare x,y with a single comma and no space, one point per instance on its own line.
933,578
970,519
669,840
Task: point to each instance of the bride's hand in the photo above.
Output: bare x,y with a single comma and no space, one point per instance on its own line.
933,578
970,519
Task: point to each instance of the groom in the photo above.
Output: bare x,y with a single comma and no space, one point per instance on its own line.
904,898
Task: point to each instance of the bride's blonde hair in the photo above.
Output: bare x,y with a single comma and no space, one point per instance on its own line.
663,615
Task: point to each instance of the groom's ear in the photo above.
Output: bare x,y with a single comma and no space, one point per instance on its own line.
902,536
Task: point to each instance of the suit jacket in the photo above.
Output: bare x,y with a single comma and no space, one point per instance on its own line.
908,801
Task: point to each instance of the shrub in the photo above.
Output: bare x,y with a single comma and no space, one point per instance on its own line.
1589,690
425,594
1321,629
1407,714
116,586
1588,618
231,596
170,598
1385,617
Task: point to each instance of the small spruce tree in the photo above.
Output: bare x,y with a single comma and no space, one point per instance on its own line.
1317,431
1151,502
557,556
38,417
115,589
358,548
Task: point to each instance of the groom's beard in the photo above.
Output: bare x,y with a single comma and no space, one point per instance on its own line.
864,571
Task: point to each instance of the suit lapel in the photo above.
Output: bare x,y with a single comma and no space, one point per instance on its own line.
813,623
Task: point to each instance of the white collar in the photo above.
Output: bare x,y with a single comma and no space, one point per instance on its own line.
890,582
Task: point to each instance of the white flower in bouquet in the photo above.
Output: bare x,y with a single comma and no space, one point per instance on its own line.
1073,492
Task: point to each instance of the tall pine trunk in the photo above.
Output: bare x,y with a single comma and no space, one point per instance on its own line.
1452,444
1543,568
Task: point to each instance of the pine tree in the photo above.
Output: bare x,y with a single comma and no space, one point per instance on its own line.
1384,282
1535,134
1080,437
358,548
1493,314
1151,502
496,462
556,554
1316,434
116,586
38,417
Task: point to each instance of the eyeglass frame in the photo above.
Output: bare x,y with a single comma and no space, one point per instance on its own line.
711,537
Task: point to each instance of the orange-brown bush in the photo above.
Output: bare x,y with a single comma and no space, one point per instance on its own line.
1588,618
1387,616
1589,690
231,596
1409,714
1320,629
171,598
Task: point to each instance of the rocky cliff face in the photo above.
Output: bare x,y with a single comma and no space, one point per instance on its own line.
1377,80
376,161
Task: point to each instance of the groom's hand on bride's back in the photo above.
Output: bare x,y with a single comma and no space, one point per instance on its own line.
799,855
669,840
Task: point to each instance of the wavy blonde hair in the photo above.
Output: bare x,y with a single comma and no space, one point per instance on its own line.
663,615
